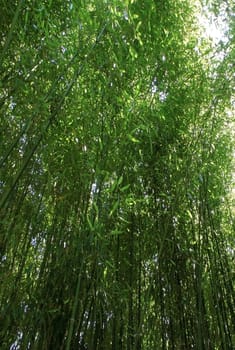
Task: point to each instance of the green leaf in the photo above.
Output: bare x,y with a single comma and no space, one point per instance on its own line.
124,188
116,204
133,139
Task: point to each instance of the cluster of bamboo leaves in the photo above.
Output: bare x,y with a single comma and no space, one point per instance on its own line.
117,228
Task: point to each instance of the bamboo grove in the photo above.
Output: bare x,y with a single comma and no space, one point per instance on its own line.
117,219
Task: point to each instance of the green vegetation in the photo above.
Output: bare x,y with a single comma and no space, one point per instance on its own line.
117,219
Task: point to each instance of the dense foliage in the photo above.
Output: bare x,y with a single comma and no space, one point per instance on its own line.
117,228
